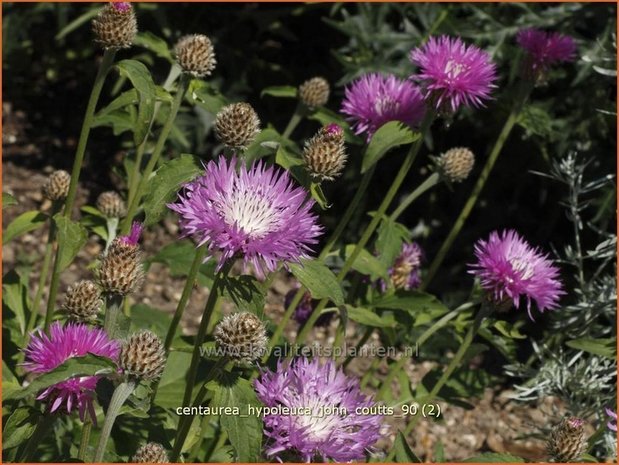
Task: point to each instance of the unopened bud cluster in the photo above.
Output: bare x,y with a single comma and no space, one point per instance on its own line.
314,92
121,270
325,154
456,164
567,442
237,125
56,186
111,205
115,26
151,452
241,337
195,55
83,301
143,356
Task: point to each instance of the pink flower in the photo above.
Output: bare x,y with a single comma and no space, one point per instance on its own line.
613,418
374,99
134,236
544,49
453,73
44,353
508,267
121,7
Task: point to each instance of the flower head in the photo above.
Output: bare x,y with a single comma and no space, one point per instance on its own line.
314,92
143,356
121,271
256,213
237,125
567,441
325,154
46,352
544,49
405,270
375,99
508,267
195,55
307,388
453,73
613,418
134,235
115,26
56,186
242,337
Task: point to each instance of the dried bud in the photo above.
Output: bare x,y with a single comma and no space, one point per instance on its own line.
314,92
195,55
237,125
115,26
111,205
143,356
121,270
241,337
56,187
325,154
456,164
567,441
151,453
83,301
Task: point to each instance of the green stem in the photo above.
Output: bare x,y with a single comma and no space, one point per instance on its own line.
363,340
104,68
295,119
154,158
430,182
113,305
369,230
43,425
112,226
368,374
520,100
121,394
455,361
85,439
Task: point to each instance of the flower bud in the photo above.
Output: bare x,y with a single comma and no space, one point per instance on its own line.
115,26
237,125
143,356
567,441
195,55
456,164
121,269
83,301
325,154
241,337
151,453
56,186
111,205
314,92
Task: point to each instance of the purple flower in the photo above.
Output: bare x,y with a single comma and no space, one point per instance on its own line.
305,308
612,424
121,7
44,353
453,73
374,99
306,388
509,267
544,49
135,234
257,214
405,270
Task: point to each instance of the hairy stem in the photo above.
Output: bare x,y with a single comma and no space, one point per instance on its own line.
112,309
430,182
295,119
85,439
121,394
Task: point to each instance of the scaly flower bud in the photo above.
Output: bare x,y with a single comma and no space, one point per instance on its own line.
115,26
143,356
237,125
325,153
111,205
56,186
456,164
195,55
83,301
151,453
314,92
241,337
121,269
567,441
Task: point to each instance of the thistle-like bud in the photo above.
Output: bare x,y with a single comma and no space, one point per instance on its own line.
237,125
456,164
567,441
151,453
241,337
195,55
83,301
121,269
111,205
115,26
314,92
56,186
143,356
325,154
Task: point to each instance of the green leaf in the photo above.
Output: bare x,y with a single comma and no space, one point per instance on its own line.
366,317
490,457
15,298
202,94
244,430
403,452
163,187
71,238
389,241
366,263
319,280
8,200
439,452
265,143
319,196
509,330
155,44
88,365
28,221
604,347
412,301
280,91
390,135
19,427
142,81
247,293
